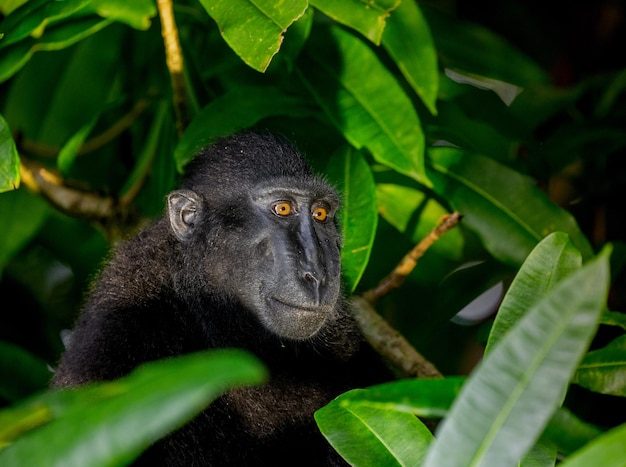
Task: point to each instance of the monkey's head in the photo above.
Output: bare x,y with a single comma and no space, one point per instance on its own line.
262,228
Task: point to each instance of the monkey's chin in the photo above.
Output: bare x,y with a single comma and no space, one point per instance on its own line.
294,321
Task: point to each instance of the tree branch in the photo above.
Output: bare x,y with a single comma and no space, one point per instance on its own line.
388,342
174,60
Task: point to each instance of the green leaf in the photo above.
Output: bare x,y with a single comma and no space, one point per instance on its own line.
569,433
69,151
613,318
608,450
136,14
408,41
505,209
359,218
399,205
510,397
17,55
239,108
554,258
22,373
111,423
604,370
366,17
377,426
254,29
9,159
363,100
368,436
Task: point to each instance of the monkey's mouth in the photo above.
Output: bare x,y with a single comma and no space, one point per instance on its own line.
295,321
282,303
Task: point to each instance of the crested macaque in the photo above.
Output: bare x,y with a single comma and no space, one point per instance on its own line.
247,255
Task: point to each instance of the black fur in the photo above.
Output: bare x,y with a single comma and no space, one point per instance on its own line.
161,296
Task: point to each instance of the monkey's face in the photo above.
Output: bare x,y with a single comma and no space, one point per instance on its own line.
277,250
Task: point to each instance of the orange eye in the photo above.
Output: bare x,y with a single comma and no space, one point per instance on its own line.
320,214
282,209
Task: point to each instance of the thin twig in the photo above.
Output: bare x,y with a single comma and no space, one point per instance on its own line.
397,277
174,61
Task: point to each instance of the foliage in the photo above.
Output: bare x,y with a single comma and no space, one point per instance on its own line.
413,113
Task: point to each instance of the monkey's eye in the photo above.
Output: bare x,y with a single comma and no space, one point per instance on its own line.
320,214
283,208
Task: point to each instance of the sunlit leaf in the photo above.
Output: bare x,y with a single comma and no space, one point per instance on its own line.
372,112
607,450
359,216
511,395
604,370
554,258
9,159
408,41
366,17
507,211
254,29
111,423
614,318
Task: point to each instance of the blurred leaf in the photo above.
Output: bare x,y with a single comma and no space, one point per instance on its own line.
16,56
408,41
111,423
475,49
69,152
515,390
607,450
604,370
359,216
554,258
507,211
412,212
613,318
42,25
239,108
569,433
254,29
368,18
612,91
22,215
22,373
9,159
375,112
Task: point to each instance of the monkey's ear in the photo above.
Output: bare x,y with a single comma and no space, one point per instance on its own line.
184,210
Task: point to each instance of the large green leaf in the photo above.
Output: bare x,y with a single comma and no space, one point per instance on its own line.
608,450
111,423
507,211
9,159
254,29
367,17
364,100
554,258
408,41
510,397
239,108
359,216
376,426
604,370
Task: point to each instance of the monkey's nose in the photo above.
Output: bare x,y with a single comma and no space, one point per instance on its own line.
311,279
313,285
